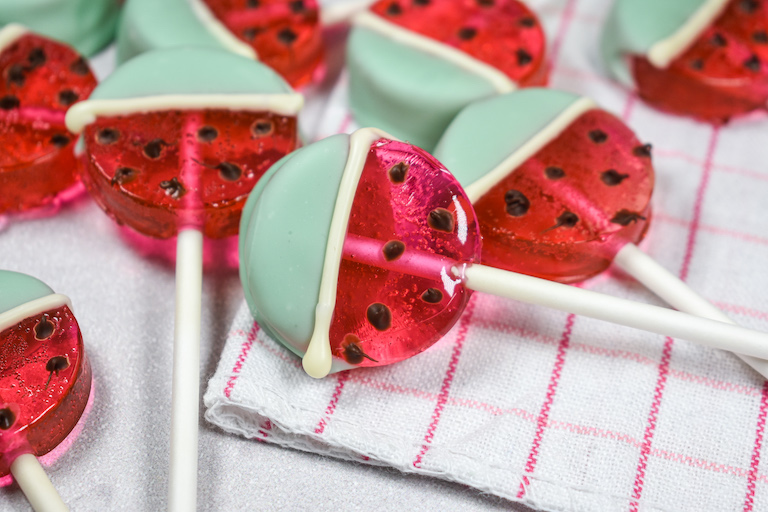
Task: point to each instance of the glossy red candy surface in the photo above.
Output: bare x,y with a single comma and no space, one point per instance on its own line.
406,208
45,381
502,33
159,171
722,75
286,34
565,212
39,80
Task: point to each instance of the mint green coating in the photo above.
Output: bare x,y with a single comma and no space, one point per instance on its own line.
17,289
405,92
283,238
634,26
189,71
88,25
488,131
155,24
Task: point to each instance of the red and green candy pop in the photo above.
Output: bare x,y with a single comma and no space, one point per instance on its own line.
172,144
362,251
45,382
39,80
562,189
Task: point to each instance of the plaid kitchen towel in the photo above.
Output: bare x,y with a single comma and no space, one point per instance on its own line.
554,410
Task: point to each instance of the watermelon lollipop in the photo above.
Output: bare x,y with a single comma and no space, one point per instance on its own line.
561,189
702,58
41,79
414,65
362,251
87,25
172,142
45,381
283,34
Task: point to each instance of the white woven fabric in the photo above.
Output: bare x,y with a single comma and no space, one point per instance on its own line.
553,410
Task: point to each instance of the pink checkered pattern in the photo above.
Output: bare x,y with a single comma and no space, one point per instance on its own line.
555,410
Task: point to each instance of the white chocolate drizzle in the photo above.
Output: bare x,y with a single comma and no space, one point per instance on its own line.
219,31
480,187
498,80
34,307
10,33
663,52
318,359
85,112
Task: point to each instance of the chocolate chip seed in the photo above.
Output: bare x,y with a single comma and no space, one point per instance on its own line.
7,418
467,33
9,102
517,203
80,67
612,177
60,140
56,364
528,22
297,6
697,64
441,219
718,40
598,136
44,329
643,151
565,220
173,187
353,352
287,36
36,57
250,33
421,3
124,175
229,172
760,37
432,296
262,127
394,9
625,217
379,316
752,63
154,148
485,3
523,57
749,6
16,75
67,97
554,173
252,4
107,136
398,172
207,134
393,250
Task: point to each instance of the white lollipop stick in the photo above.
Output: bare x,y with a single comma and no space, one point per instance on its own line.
675,292
533,290
186,372
36,485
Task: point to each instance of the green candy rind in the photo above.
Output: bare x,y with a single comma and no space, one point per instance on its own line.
405,92
283,238
634,26
177,71
156,24
485,133
17,289
87,25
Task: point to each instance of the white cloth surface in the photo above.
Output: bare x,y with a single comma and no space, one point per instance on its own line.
556,411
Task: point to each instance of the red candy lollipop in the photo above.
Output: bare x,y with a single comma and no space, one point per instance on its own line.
705,59
172,143
40,80
561,192
45,380
347,284
285,34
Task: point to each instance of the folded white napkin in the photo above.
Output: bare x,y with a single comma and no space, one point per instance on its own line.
557,411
